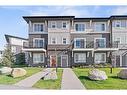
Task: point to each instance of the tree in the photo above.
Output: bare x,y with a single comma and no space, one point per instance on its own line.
8,57
20,59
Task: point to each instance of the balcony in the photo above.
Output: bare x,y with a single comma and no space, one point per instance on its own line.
32,46
96,46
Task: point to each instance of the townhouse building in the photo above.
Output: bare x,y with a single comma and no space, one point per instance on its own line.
66,41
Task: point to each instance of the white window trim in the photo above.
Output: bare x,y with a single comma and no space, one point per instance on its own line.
75,58
100,61
116,23
79,23
38,39
77,39
54,24
55,39
99,23
62,40
43,57
99,38
119,38
38,31
61,60
66,24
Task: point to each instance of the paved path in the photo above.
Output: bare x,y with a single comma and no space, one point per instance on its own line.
70,80
30,81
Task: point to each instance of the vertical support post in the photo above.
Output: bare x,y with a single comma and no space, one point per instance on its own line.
56,59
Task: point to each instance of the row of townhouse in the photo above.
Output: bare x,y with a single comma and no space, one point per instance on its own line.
67,41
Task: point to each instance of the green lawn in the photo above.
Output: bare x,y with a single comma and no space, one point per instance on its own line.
113,82
4,79
50,84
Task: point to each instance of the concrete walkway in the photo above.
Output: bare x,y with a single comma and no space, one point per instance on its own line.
70,81
30,81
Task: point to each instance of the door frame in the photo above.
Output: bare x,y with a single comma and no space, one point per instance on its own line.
61,60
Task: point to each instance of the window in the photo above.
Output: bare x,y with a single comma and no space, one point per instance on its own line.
38,42
118,40
13,49
100,58
100,27
79,43
64,41
38,57
53,24
64,25
38,27
80,27
79,57
118,24
53,40
100,43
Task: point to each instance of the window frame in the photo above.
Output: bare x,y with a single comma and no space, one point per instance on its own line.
99,38
38,24
63,40
62,24
116,22
54,24
78,30
101,60
55,40
35,62
78,39
99,23
38,39
75,61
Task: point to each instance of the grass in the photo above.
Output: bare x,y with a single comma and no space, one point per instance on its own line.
50,84
4,79
113,82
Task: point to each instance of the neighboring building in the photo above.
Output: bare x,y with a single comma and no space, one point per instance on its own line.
119,34
67,41
16,44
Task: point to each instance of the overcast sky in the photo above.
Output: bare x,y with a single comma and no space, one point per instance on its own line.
12,23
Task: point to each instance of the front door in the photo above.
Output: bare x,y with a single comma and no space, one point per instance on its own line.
64,61
53,61
124,61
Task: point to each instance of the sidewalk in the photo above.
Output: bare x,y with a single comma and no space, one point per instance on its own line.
30,81
70,81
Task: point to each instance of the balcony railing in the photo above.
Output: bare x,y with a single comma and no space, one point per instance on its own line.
92,44
34,45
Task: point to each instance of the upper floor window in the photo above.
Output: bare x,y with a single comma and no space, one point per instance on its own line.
118,24
80,27
38,42
100,42
38,27
64,41
53,40
80,43
100,27
64,24
53,24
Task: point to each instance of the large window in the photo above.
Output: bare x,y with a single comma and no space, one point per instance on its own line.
100,58
100,43
38,58
80,27
38,42
38,27
80,57
100,27
80,43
